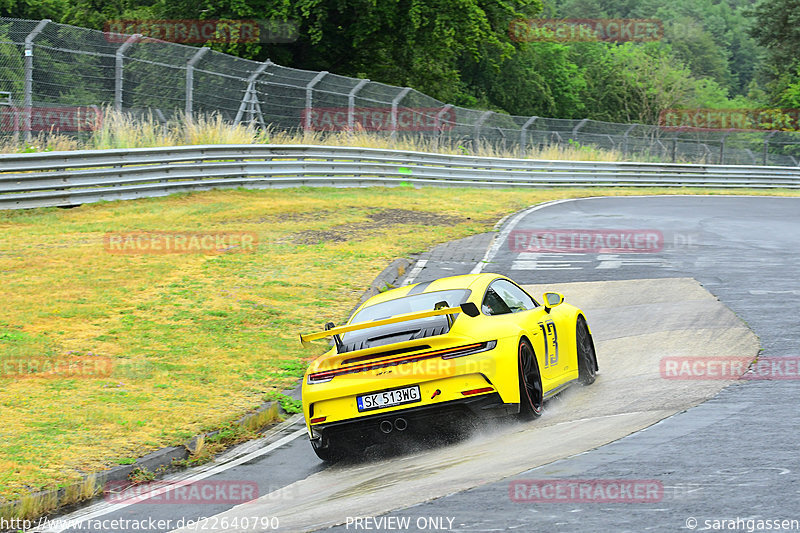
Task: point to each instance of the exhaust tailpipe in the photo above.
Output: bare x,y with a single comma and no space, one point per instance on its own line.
386,426
400,424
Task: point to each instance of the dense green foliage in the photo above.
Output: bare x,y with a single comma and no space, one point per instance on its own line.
777,28
713,53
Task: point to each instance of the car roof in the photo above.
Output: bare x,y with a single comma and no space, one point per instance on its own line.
467,281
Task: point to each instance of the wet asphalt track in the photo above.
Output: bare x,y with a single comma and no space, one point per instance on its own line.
734,456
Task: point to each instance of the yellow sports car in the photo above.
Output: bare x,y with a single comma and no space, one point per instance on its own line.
413,357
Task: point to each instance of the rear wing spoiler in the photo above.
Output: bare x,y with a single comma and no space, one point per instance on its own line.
468,308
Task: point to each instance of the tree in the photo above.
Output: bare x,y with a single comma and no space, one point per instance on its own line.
418,43
777,28
539,79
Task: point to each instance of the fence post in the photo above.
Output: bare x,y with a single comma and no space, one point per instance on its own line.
706,154
13,116
396,102
351,102
120,55
625,140
722,147
478,124
437,122
523,135
250,103
28,96
309,99
766,145
190,79
578,126
503,135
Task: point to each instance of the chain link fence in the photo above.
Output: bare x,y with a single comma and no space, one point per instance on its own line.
55,77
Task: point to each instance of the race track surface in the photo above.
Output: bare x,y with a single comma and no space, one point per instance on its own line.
719,449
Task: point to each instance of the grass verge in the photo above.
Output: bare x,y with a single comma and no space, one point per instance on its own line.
192,341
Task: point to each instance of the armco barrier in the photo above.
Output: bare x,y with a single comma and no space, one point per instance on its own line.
78,177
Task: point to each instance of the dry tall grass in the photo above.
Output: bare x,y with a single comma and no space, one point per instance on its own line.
121,130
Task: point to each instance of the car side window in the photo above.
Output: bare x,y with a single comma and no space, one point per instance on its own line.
514,298
493,304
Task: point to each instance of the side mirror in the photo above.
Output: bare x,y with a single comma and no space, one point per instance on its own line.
552,299
470,309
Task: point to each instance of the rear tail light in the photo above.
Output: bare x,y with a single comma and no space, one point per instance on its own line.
476,391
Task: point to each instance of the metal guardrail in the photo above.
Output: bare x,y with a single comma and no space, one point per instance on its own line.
78,177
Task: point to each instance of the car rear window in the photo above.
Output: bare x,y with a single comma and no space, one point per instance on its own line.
411,304
405,330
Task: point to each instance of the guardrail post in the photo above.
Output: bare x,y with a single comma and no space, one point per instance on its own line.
396,102
766,145
190,79
478,124
28,96
118,69
523,135
309,99
351,102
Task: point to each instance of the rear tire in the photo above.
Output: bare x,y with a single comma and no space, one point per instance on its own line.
530,383
587,358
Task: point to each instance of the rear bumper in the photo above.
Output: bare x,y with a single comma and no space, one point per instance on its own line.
423,419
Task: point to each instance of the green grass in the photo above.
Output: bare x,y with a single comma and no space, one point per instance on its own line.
194,341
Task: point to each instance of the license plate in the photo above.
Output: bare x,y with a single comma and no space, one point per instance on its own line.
389,398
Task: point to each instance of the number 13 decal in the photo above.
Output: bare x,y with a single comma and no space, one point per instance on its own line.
548,327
